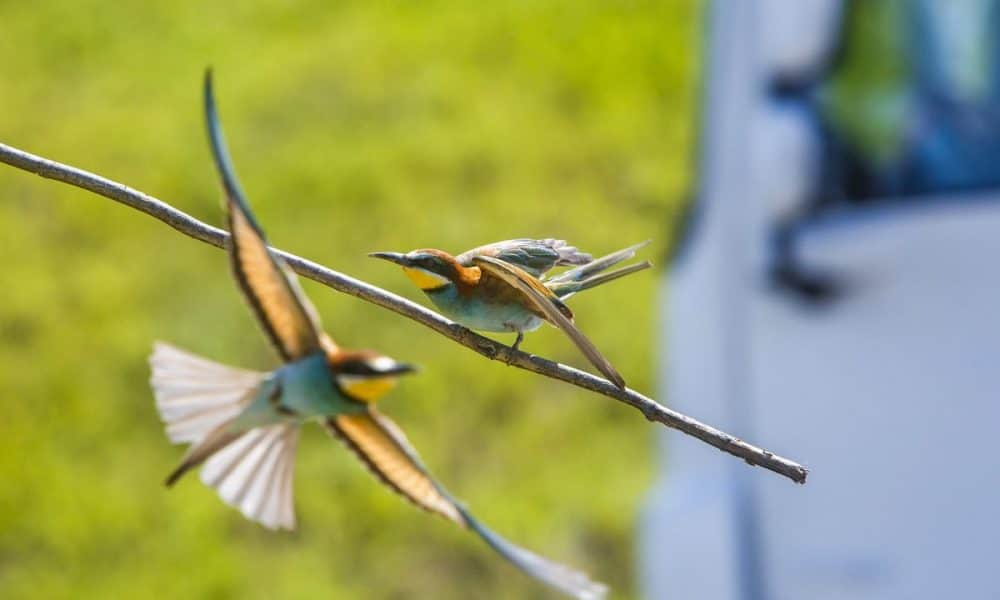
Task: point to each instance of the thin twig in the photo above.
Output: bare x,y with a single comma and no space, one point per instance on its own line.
190,226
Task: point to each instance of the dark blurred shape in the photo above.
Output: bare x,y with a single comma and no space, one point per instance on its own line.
906,106
935,66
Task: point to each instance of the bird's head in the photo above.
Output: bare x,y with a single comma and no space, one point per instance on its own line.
366,375
429,269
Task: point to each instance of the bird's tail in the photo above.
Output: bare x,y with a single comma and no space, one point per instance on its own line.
195,395
198,400
565,579
588,276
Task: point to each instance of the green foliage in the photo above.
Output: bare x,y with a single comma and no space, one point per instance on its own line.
867,96
355,127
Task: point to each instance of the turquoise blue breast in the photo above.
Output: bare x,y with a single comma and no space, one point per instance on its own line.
299,390
477,312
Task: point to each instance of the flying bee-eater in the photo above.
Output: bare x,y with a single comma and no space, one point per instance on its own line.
243,426
501,286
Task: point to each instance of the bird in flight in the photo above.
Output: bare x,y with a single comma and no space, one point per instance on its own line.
501,286
243,426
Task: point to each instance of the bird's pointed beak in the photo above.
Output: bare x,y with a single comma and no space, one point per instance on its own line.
393,257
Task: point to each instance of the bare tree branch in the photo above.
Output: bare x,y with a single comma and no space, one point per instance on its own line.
190,226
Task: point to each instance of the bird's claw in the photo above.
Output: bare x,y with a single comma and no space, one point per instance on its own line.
514,348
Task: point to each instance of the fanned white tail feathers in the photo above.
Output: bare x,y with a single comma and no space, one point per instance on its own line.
196,398
195,395
254,474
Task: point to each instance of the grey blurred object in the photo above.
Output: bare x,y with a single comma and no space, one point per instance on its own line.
837,294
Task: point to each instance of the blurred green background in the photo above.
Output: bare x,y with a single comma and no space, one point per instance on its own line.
355,127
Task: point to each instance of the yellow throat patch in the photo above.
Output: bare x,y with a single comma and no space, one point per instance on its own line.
425,280
366,389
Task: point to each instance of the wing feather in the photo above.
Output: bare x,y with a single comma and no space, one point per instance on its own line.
534,256
270,287
383,447
551,308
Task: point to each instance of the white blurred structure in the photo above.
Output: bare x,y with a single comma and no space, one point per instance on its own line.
889,392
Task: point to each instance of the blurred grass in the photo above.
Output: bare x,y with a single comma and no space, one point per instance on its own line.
355,127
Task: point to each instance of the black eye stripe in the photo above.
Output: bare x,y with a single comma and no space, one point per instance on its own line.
357,368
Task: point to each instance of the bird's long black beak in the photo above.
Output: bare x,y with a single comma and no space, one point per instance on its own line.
393,257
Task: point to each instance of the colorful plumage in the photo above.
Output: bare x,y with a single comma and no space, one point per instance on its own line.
501,286
243,426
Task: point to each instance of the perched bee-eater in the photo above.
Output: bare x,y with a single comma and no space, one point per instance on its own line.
244,426
500,286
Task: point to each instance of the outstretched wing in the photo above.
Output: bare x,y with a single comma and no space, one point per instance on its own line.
270,287
383,447
534,256
380,444
547,304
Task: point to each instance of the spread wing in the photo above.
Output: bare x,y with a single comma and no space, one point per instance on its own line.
534,256
551,308
270,287
383,447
